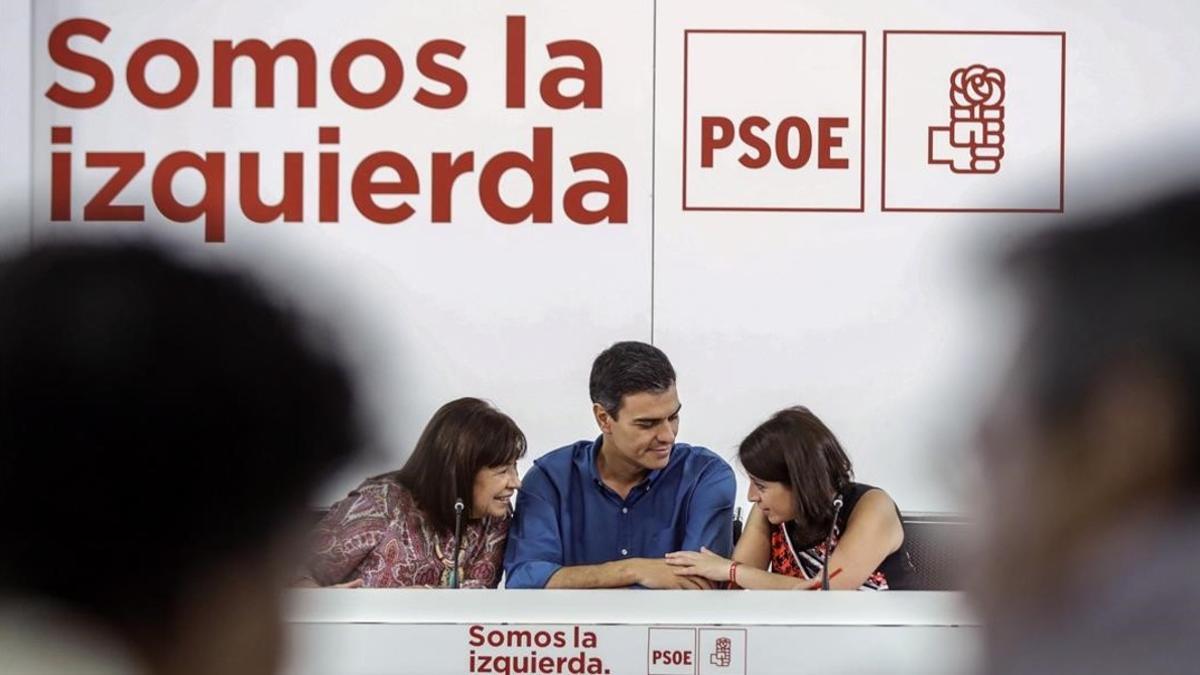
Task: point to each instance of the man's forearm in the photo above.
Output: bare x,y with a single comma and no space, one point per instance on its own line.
615,574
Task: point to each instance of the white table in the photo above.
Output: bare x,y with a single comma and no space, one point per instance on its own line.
361,632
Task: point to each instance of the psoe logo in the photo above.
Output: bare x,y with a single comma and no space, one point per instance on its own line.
973,141
973,121
773,120
725,649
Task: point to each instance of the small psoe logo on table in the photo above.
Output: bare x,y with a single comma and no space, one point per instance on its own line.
974,140
723,654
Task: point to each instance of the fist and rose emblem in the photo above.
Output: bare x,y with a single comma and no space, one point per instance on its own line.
973,142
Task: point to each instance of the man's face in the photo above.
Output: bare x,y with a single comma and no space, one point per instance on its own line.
645,428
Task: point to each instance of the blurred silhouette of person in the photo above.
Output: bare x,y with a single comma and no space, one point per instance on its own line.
1092,453
161,424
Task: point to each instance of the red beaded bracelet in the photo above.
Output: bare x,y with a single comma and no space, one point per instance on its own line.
733,571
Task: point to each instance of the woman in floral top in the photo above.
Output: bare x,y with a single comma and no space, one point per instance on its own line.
397,529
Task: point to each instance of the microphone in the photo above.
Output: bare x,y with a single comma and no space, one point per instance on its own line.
837,509
458,512
737,525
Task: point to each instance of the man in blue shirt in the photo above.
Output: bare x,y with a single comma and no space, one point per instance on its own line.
603,513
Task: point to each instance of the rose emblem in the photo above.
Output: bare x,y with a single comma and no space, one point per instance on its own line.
977,85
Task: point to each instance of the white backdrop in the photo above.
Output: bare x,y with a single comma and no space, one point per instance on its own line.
876,320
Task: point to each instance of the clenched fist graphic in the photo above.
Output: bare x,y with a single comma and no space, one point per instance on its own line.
974,140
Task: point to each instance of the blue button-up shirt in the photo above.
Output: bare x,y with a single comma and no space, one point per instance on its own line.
567,516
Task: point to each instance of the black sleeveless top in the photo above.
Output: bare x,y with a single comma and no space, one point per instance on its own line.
790,556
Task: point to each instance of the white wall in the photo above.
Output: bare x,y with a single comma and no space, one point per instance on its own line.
882,323
877,321
512,313
15,50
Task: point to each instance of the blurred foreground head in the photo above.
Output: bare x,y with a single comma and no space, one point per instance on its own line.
1093,452
161,424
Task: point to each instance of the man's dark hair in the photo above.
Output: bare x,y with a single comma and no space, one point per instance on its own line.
462,437
1114,288
157,421
628,368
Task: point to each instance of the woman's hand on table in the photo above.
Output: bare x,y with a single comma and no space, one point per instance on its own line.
702,563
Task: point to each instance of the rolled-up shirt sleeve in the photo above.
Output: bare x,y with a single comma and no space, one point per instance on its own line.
535,549
710,514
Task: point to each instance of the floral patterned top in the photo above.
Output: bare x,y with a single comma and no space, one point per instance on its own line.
806,562
378,534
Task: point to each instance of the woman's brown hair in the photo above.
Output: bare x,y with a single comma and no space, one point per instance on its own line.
462,437
795,448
